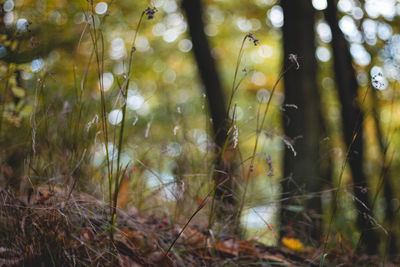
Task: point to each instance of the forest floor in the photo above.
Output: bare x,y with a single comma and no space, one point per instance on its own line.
47,228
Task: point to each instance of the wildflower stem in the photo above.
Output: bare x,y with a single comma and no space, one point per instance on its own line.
258,132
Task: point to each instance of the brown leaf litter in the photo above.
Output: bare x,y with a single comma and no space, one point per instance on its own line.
52,230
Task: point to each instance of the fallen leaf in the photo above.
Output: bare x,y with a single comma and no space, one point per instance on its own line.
236,247
293,244
193,237
228,247
276,259
247,248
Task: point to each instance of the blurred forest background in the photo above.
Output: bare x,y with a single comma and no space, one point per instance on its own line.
280,117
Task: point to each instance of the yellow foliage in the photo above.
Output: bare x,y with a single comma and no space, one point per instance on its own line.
293,244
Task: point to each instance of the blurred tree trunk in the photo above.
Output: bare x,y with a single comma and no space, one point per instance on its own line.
352,119
385,179
216,100
303,124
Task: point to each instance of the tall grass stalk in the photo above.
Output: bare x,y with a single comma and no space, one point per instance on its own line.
125,86
79,89
96,37
384,144
79,104
259,127
234,88
235,83
114,179
391,131
340,179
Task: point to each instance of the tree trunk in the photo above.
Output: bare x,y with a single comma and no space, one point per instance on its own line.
352,119
303,124
215,96
385,179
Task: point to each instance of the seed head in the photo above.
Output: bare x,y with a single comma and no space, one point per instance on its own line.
294,59
149,12
253,38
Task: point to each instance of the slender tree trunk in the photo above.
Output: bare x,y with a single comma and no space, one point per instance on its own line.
215,96
386,178
303,124
352,119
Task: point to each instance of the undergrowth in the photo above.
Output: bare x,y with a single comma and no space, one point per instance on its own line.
46,219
